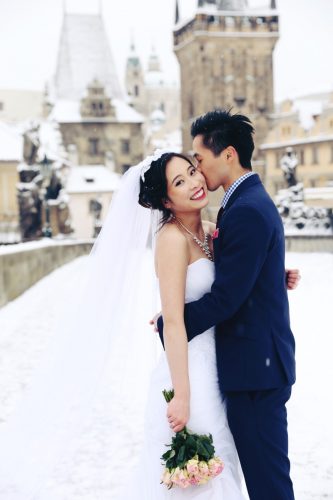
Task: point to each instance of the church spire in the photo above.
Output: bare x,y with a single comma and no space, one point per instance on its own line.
177,13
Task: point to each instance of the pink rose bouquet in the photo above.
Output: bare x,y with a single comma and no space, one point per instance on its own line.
190,460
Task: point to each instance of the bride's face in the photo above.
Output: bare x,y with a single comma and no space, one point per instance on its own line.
186,187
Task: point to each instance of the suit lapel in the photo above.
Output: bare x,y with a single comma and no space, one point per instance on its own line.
250,181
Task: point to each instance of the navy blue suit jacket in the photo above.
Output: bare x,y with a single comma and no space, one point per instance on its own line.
248,301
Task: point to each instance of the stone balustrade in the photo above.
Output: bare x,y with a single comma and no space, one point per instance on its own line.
24,264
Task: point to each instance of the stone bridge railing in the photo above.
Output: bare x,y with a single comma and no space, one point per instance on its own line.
303,243
24,264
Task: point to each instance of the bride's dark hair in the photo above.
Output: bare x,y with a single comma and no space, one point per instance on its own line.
154,189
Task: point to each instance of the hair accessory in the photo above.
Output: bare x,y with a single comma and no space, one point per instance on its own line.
146,163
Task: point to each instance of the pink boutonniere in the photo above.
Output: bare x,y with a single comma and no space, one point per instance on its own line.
215,234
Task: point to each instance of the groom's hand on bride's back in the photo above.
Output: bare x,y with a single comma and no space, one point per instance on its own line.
292,278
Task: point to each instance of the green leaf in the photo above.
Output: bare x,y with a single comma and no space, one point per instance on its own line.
181,455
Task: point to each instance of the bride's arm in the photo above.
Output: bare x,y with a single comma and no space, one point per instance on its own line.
171,265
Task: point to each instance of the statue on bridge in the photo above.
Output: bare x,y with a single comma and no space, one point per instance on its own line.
42,206
288,164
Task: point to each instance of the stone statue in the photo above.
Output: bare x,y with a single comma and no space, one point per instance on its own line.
95,208
43,207
288,165
30,203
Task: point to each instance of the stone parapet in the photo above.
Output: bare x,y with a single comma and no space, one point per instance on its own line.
309,243
24,264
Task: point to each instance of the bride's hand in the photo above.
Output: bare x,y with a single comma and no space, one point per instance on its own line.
292,278
178,413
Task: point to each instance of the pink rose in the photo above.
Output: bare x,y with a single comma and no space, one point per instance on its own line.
203,468
215,234
192,466
216,466
166,478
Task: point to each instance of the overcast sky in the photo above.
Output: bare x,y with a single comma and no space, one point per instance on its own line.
30,30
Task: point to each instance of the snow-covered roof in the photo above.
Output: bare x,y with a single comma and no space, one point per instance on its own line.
50,141
68,111
212,10
84,54
315,139
172,141
11,143
92,179
306,107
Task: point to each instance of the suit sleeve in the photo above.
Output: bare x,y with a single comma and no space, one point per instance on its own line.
246,241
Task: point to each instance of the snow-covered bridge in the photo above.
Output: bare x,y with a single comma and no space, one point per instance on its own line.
26,325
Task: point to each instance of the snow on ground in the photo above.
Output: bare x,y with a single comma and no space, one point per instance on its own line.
26,326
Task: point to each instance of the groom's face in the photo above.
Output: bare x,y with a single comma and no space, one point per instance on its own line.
214,168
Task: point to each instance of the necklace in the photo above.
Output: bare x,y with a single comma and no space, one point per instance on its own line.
202,244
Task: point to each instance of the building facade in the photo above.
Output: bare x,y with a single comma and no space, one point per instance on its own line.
11,155
100,129
88,101
225,54
155,97
306,126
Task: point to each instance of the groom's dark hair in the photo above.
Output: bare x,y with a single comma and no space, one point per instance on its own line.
220,129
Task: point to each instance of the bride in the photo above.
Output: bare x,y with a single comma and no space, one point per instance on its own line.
99,343
185,270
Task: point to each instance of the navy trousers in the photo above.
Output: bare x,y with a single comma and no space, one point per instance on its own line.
258,422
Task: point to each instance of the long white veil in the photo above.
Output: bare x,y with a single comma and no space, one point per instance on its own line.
97,337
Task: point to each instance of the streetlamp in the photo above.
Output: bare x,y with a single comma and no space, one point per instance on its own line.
46,171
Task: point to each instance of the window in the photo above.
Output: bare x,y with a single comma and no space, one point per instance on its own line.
1,106
314,155
301,156
332,153
277,160
93,147
125,146
136,90
191,108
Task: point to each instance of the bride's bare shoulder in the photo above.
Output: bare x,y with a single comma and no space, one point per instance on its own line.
170,234
209,227
171,247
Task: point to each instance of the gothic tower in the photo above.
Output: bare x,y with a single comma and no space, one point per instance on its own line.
225,54
84,54
134,79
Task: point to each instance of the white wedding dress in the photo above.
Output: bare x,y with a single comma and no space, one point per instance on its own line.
207,415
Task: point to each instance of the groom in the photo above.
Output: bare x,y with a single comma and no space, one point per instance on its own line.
248,304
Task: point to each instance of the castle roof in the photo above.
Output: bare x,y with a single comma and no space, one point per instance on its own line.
68,111
84,54
92,179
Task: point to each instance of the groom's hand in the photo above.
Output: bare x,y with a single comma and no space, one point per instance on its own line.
292,278
154,321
